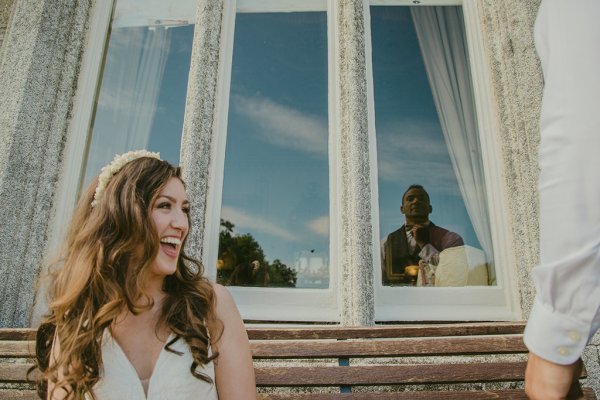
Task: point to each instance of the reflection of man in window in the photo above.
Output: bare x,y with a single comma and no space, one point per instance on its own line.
418,239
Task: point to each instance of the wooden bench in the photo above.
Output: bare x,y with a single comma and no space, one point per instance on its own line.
425,361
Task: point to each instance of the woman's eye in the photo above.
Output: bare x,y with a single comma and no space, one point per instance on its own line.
164,205
186,210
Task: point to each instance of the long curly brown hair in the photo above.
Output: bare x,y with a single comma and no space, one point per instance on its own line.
105,259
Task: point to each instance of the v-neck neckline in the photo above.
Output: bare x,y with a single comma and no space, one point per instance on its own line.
132,367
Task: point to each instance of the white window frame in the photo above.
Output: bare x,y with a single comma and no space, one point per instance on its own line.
453,303
258,303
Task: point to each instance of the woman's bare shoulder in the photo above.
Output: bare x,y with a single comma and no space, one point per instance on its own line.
224,300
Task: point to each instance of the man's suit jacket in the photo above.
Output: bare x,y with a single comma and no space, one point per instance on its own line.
396,253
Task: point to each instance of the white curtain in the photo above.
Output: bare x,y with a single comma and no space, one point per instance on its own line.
131,83
441,35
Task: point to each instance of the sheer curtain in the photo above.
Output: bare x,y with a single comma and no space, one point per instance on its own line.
131,83
441,35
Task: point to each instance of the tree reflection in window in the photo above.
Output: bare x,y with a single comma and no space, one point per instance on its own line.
242,262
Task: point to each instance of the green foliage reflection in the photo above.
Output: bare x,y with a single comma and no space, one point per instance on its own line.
242,262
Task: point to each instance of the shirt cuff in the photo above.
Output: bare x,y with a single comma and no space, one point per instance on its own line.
554,336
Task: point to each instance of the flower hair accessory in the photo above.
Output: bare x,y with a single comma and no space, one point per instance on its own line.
115,165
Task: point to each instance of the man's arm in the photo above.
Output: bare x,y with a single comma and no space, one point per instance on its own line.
565,314
545,380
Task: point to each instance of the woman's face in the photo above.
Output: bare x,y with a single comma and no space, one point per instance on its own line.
170,216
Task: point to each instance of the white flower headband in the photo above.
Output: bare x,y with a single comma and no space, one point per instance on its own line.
115,165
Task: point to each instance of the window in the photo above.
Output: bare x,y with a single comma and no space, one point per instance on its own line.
275,248
150,103
428,137
275,207
430,106
141,100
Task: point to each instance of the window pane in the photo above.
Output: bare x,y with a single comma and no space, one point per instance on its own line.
417,146
142,95
275,210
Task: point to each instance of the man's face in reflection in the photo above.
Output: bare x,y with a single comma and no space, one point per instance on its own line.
415,204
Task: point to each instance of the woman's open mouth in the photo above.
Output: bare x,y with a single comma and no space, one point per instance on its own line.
170,246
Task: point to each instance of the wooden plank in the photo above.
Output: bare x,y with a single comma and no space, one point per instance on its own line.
338,332
506,394
17,348
272,349
509,394
14,394
17,334
446,395
15,372
386,331
389,374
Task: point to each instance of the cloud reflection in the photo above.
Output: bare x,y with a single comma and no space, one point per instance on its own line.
284,126
242,219
410,150
319,226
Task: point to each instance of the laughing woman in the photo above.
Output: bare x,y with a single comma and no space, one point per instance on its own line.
131,316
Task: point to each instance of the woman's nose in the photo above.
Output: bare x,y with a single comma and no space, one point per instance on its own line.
179,220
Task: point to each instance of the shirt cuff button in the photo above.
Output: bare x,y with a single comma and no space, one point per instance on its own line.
574,336
563,351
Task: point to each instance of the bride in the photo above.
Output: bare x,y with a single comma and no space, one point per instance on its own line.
131,316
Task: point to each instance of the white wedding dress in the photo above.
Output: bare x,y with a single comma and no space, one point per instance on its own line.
171,377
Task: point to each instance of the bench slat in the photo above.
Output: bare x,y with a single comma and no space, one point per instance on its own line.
15,372
365,348
508,394
338,332
383,331
351,375
514,394
505,394
354,375
17,334
389,374
13,394
387,348
15,348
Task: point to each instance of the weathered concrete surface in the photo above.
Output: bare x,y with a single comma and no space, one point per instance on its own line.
6,7
352,148
518,84
38,75
197,143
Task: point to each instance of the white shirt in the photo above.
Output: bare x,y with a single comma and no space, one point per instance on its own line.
566,311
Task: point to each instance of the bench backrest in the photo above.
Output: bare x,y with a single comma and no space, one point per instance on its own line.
399,361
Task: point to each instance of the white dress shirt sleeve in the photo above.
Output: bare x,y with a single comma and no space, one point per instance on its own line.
566,309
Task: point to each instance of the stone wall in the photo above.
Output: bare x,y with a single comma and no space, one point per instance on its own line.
38,78
5,13
518,84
